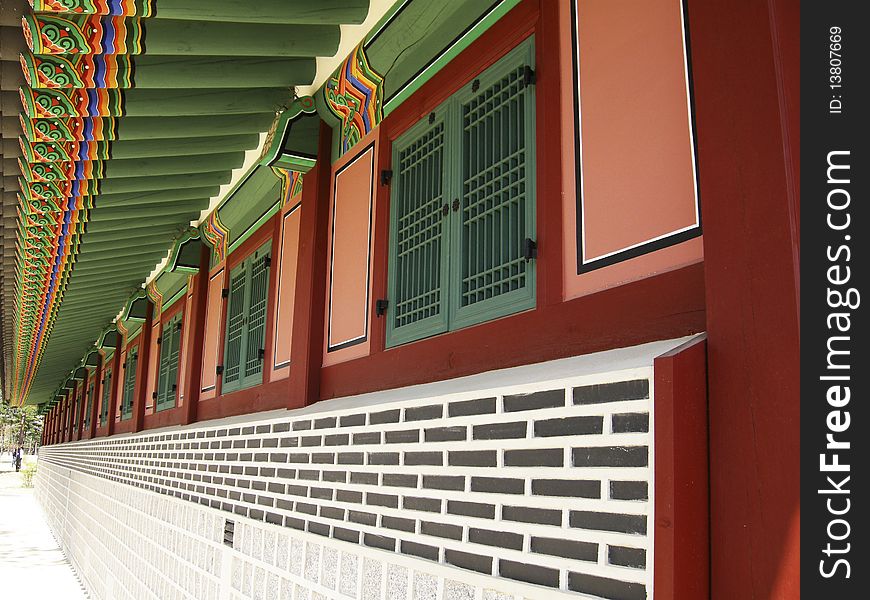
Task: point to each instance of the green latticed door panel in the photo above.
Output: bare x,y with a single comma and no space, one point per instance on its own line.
167,380
235,333
89,406
104,405
129,384
419,215
257,271
495,182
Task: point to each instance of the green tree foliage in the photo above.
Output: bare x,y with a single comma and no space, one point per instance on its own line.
20,427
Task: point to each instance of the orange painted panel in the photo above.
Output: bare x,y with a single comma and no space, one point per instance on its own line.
612,219
286,292
350,253
153,363
211,341
637,172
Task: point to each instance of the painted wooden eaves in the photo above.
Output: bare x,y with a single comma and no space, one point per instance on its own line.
120,120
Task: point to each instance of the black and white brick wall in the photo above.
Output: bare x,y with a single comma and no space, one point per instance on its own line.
534,482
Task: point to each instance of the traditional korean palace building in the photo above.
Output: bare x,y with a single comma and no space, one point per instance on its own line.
407,299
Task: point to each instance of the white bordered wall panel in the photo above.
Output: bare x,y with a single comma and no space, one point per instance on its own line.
534,482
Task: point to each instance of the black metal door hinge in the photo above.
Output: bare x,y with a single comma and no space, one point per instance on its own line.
225,293
529,76
267,262
386,176
475,85
154,395
381,307
219,369
159,340
530,249
431,118
261,353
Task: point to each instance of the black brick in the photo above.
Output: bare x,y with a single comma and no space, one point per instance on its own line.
294,523
301,425
569,488
348,496
308,509
540,516
499,539
340,476
274,519
420,550
323,458
398,523
528,573
336,439
565,548
424,458
367,437
445,434
400,480
263,428
498,485
363,518
471,407
611,456
297,490
386,416
402,437
424,413
383,458
345,535
444,482
324,423
500,431
466,560
278,457
321,493
637,389
423,504
379,541
258,485
608,521
254,513
569,426
330,512
351,458
453,532
471,509
364,478
352,420
284,504
605,588
473,458
631,423
245,431
311,440
629,490
318,528
537,457
382,500
626,557
534,401
277,488
287,473
280,427
290,442
270,443
309,474
297,457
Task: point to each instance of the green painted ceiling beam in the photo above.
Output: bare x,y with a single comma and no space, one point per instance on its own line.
267,11
123,213
199,102
172,165
138,128
162,72
123,185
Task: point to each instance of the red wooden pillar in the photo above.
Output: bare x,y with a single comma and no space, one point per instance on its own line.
746,84
307,346
193,353
142,369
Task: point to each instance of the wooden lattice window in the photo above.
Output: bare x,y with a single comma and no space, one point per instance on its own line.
89,406
129,383
104,405
244,347
167,374
463,206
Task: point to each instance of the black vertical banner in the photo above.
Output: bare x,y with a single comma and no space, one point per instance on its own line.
835,257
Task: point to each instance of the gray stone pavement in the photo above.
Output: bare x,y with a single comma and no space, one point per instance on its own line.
32,565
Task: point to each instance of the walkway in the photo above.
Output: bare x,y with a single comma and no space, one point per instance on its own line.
32,565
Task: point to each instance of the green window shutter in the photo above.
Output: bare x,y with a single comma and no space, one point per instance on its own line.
129,384
496,187
90,406
418,223
233,351
258,267
170,342
104,408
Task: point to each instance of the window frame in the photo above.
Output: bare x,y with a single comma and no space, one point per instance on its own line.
128,393
245,267
174,324
105,393
449,112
